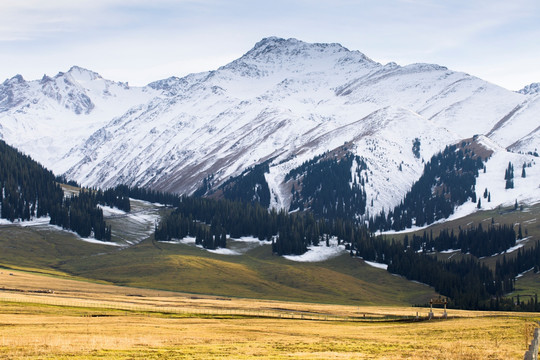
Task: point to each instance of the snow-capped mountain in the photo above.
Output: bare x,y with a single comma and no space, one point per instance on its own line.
46,118
284,100
531,89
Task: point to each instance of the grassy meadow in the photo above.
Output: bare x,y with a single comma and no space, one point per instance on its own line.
179,267
60,299
46,317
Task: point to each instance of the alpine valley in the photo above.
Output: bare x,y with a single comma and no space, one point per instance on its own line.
320,143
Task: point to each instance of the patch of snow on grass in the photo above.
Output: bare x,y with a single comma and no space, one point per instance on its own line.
246,239
94,241
377,265
111,211
408,230
519,244
449,251
523,273
234,246
44,221
224,251
319,253
34,222
187,241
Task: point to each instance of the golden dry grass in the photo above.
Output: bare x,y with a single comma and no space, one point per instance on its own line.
93,321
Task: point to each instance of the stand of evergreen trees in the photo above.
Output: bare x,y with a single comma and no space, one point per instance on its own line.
468,283
474,240
209,221
26,188
525,260
509,176
508,269
117,197
291,233
177,226
448,180
249,187
324,187
81,214
29,190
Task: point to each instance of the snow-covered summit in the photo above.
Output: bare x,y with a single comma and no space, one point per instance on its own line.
273,47
82,75
275,55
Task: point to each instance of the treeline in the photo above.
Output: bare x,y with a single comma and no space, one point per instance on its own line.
208,219
117,197
290,233
29,190
178,226
448,180
474,240
120,194
467,282
81,214
326,187
527,302
525,260
508,269
63,180
250,186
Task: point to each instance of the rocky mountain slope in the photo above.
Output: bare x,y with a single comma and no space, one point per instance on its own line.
286,101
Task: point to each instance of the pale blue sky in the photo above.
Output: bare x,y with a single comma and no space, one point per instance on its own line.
142,41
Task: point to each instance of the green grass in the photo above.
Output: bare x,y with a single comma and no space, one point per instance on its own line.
527,285
42,248
257,274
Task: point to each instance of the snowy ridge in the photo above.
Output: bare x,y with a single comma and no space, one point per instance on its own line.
531,89
284,100
46,118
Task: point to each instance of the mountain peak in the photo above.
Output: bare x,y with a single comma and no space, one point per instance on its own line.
82,74
274,41
17,79
273,54
531,89
293,47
